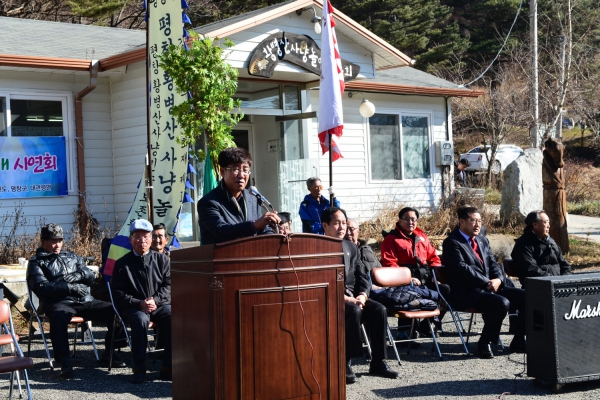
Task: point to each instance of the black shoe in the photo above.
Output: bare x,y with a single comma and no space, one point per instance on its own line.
380,368
116,362
484,350
139,374
66,370
350,376
166,374
518,345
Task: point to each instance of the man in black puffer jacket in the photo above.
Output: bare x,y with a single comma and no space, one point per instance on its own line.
62,282
537,254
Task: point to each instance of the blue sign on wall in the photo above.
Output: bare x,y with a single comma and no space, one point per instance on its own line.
33,167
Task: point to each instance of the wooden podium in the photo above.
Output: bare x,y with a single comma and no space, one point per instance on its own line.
238,329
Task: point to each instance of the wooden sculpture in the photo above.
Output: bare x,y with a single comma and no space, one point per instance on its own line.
555,200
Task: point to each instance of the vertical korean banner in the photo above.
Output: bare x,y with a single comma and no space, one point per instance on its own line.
168,158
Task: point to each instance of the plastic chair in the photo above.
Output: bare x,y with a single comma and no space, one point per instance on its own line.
400,276
33,304
119,321
16,362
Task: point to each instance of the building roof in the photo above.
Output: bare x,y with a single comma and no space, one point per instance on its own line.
116,47
85,42
385,55
407,80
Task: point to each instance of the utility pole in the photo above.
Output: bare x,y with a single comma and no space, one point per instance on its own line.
561,83
535,137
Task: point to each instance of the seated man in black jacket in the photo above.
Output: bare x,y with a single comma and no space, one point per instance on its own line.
537,254
141,285
476,281
229,211
359,308
62,282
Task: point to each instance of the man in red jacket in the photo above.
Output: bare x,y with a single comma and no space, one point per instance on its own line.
408,246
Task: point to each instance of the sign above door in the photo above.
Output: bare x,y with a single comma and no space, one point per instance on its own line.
300,50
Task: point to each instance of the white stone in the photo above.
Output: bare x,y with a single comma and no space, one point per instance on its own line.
522,190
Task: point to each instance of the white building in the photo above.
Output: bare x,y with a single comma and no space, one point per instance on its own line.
387,158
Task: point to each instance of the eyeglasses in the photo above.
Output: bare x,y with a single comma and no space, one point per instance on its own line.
237,170
352,229
410,219
319,187
476,221
145,238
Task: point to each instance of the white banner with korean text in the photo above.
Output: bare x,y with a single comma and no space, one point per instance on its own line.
168,158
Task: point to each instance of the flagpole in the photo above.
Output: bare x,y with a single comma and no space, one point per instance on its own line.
330,171
148,127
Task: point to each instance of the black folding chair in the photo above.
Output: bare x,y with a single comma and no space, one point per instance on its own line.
77,321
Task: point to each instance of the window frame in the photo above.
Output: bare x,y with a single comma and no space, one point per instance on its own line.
66,99
399,114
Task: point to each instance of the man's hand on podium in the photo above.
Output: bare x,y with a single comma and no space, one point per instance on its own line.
267,219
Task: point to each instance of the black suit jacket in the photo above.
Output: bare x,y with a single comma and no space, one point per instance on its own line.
220,220
465,272
356,279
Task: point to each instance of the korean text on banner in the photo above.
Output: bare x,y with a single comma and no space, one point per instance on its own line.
169,159
33,167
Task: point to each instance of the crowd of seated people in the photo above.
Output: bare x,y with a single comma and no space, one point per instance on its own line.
142,285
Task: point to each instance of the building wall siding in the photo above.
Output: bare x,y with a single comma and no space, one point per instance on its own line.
361,197
97,150
129,119
246,41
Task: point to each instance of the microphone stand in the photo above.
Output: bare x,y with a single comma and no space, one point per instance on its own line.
262,204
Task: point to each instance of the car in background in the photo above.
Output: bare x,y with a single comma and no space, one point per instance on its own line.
478,161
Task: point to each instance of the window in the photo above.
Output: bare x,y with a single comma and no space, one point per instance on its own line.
36,117
37,137
399,146
415,136
385,147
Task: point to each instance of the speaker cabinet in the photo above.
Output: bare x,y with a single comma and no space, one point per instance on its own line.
563,323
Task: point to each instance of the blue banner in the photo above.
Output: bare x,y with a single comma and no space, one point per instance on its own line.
33,167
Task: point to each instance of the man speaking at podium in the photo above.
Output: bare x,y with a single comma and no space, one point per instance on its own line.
359,308
229,211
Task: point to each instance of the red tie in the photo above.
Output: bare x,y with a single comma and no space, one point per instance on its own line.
475,248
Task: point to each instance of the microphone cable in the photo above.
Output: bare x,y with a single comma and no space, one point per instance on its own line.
312,349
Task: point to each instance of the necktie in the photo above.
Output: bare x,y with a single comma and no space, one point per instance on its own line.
475,248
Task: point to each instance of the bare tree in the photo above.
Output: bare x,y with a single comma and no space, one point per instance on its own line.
498,114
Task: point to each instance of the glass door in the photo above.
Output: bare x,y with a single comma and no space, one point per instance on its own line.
293,168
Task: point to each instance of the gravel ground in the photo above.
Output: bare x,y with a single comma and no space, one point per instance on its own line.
422,376
458,376
90,381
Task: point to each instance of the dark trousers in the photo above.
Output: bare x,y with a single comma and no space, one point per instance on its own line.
374,317
60,314
494,307
139,321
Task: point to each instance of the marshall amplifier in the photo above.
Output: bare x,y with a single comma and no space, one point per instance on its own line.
563,324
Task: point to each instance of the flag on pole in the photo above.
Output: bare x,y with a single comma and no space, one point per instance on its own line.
210,182
331,117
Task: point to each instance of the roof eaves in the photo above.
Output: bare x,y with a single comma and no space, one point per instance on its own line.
73,64
408,89
355,26
122,59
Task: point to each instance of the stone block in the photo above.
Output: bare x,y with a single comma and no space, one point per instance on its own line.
522,190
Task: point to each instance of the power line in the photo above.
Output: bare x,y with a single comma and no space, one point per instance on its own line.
499,51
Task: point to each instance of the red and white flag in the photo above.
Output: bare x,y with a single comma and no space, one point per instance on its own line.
331,116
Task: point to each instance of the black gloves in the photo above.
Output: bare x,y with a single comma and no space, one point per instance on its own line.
74,277
77,289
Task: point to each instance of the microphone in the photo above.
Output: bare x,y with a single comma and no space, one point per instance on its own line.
260,197
263,202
